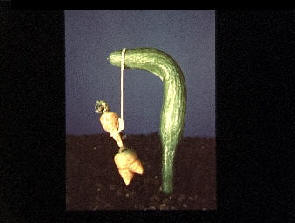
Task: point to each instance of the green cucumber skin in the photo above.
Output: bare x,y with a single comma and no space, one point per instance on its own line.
174,100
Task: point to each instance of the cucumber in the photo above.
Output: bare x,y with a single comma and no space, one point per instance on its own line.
174,100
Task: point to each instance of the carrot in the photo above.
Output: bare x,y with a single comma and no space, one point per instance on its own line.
126,159
128,163
109,121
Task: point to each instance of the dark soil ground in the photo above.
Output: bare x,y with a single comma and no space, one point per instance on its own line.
93,182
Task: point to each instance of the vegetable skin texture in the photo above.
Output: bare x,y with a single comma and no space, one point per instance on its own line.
109,121
127,164
172,116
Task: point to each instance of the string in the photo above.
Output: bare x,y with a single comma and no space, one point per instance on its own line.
122,84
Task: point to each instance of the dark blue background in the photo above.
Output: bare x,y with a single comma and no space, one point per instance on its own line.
90,36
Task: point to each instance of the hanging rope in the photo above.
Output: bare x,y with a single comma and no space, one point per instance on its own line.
122,90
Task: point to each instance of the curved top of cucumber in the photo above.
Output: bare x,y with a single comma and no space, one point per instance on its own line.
146,59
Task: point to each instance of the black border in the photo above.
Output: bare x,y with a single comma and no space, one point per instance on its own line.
254,56
34,151
255,51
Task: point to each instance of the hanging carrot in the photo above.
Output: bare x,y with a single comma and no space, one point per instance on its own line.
126,159
128,163
109,121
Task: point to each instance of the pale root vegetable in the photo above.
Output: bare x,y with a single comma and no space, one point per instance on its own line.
128,163
126,159
110,123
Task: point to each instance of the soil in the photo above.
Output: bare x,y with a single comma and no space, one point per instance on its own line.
93,182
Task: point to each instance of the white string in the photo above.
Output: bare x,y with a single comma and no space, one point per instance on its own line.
122,84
